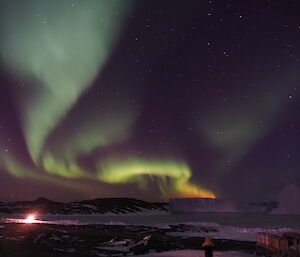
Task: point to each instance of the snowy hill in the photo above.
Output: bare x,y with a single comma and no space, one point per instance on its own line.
96,206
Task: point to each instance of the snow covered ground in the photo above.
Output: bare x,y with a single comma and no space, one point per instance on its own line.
196,253
227,226
195,229
245,220
228,232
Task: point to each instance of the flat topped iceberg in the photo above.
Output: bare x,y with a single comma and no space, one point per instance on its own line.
186,205
202,205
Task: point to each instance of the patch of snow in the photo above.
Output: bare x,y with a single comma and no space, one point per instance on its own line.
124,249
90,206
97,253
115,223
124,245
18,238
193,253
68,250
56,238
38,237
117,243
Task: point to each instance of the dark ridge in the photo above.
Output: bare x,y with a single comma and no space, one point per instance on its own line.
96,206
42,200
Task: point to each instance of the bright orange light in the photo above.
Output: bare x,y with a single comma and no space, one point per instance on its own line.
30,219
193,191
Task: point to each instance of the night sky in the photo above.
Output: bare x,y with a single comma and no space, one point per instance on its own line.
149,99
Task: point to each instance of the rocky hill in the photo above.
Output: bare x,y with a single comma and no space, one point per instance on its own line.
96,206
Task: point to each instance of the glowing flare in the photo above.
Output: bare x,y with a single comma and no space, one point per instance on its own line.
30,219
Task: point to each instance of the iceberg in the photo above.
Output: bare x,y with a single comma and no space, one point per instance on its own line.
187,205
288,201
183,205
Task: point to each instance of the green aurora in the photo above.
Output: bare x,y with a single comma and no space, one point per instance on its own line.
236,131
59,51
57,48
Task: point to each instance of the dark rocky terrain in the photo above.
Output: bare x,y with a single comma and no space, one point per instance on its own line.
104,205
41,240
97,206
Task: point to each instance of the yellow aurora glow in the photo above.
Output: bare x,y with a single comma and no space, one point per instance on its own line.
174,176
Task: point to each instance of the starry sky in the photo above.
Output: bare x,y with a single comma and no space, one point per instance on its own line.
149,99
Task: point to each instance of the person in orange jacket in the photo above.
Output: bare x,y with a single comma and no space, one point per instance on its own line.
208,246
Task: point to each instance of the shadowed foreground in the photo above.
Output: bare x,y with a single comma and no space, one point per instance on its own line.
43,240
